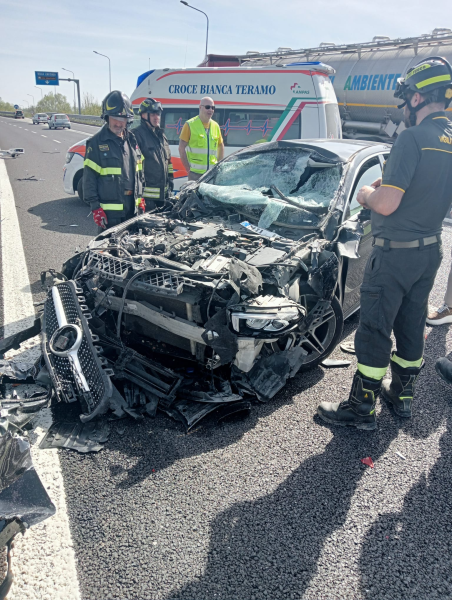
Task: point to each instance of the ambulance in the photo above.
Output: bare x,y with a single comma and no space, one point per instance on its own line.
252,105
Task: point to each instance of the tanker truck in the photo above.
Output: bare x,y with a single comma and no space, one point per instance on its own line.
366,77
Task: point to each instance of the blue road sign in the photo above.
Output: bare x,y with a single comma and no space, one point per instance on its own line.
46,78
16,106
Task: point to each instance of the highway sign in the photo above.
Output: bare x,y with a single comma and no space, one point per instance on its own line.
46,78
16,106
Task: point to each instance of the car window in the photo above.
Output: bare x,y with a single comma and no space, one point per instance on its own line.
248,178
368,173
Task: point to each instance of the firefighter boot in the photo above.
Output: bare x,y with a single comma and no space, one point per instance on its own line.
399,391
444,369
359,410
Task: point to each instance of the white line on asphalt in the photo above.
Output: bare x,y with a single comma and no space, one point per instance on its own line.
43,135
57,141
25,129
44,560
34,132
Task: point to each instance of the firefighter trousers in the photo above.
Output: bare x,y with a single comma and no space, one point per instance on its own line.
394,297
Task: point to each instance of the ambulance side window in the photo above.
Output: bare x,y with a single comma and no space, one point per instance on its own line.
248,127
173,120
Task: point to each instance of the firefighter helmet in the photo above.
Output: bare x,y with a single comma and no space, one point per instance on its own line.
433,73
117,104
150,106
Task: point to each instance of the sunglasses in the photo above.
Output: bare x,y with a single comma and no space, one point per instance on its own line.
208,106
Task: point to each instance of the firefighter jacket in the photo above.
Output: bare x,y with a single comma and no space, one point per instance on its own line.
113,174
157,166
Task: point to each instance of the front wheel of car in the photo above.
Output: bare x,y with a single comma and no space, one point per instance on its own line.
324,334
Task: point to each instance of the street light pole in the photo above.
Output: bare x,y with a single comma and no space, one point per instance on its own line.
197,9
109,64
73,77
38,88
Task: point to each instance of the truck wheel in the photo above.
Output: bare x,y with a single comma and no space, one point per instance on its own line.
80,189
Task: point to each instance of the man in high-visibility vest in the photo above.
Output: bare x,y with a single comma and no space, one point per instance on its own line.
113,167
201,143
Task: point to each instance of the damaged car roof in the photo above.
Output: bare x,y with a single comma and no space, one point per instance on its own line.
335,150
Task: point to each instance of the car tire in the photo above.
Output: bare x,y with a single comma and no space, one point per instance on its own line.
328,332
80,190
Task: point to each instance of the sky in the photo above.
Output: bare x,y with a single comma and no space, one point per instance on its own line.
46,35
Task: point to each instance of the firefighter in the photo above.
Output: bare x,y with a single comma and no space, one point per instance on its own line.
113,169
201,143
157,166
408,206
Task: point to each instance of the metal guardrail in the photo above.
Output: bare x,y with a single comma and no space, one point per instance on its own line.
5,113
88,119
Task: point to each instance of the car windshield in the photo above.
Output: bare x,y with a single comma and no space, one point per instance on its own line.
60,117
306,178
42,115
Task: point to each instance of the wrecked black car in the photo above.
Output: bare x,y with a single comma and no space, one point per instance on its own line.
242,283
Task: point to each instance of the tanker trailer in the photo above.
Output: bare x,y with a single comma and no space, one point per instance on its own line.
366,77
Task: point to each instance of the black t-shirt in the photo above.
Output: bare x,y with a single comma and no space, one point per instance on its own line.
420,164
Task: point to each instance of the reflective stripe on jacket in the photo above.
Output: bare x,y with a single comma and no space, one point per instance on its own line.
104,176
202,149
158,170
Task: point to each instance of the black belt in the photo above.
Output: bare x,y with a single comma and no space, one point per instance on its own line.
427,241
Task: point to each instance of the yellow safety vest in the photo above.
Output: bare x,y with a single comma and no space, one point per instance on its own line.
202,149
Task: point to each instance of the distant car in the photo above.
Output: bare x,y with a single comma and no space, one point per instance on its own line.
40,118
19,114
58,120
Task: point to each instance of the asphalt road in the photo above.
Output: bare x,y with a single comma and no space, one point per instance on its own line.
276,506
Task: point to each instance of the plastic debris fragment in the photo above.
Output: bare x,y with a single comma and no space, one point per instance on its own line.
368,461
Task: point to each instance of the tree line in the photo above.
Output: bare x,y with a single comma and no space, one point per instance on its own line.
56,102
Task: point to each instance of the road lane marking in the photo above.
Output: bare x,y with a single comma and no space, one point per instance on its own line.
34,132
25,129
57,141
46,551
43,135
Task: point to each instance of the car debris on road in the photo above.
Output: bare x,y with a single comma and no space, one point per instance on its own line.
12,152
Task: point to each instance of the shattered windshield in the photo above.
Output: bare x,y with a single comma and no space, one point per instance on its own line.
251,179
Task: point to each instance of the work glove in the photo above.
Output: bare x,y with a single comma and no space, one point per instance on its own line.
142,205
100,218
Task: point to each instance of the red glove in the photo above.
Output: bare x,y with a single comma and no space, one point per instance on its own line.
142,204
100,218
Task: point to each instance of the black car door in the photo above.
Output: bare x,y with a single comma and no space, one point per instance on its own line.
369,171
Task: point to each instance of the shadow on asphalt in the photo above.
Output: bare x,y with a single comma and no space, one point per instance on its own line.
158,443
59,215
416,541
314,502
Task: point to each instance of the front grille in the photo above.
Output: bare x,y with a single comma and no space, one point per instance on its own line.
166,283
114,269
64,374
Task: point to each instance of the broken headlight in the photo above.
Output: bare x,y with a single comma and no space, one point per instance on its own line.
69,156
258,320
272,324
